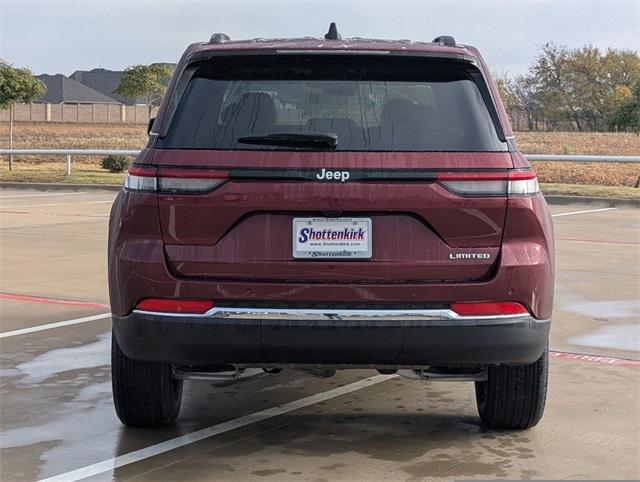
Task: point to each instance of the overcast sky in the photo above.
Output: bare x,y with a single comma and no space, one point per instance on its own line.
60,36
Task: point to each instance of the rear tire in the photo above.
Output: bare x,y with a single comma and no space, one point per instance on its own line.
513,397
145,393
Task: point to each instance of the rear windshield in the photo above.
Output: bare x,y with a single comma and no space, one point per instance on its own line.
371,103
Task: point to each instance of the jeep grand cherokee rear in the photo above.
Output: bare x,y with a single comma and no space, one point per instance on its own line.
324,204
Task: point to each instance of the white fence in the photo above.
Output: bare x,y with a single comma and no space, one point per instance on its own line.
69,153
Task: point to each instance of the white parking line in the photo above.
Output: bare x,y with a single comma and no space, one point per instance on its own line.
582,212
43,194
57,324
174,443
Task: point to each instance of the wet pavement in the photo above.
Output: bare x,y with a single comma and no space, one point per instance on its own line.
57,417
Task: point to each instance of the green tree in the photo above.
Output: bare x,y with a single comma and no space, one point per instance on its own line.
601,81
146,83
583,87
627,115
17,86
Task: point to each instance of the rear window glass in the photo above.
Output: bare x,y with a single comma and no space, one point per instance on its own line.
371,103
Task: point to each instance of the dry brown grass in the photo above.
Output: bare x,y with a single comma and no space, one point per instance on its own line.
583,143
579,143
132,136
605,174
56,135
45,135
129,136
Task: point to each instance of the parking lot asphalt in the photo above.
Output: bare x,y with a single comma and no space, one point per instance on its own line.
57,417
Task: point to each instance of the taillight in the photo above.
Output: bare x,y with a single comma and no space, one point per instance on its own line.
523,183
174,181
491,308
516,183
189,180
172,305
141,179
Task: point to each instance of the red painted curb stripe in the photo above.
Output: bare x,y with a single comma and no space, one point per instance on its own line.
626,362
52,301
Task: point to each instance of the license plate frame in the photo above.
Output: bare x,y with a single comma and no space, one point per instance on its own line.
346,243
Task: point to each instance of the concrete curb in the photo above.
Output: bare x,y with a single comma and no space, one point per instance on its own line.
602,201
551,198
51,186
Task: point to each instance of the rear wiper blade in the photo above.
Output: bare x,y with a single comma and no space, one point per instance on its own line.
293,139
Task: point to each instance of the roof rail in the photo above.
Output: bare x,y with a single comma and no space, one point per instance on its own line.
332,34
219,38
447,40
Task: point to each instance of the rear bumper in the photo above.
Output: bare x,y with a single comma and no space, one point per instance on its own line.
400,338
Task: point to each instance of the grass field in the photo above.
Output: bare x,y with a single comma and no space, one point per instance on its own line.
556,176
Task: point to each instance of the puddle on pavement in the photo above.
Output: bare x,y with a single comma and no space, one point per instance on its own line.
66,389
62,360
70,408
613,336
620,337
604,309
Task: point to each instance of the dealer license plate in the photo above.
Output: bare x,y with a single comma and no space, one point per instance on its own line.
331,238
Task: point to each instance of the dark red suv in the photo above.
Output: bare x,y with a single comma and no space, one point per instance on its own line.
322,204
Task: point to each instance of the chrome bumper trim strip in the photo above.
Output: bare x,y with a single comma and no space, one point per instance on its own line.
433,317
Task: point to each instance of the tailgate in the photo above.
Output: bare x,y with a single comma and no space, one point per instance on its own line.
418,229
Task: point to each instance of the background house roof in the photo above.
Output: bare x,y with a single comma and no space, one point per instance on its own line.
63,89
106,81
102,80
